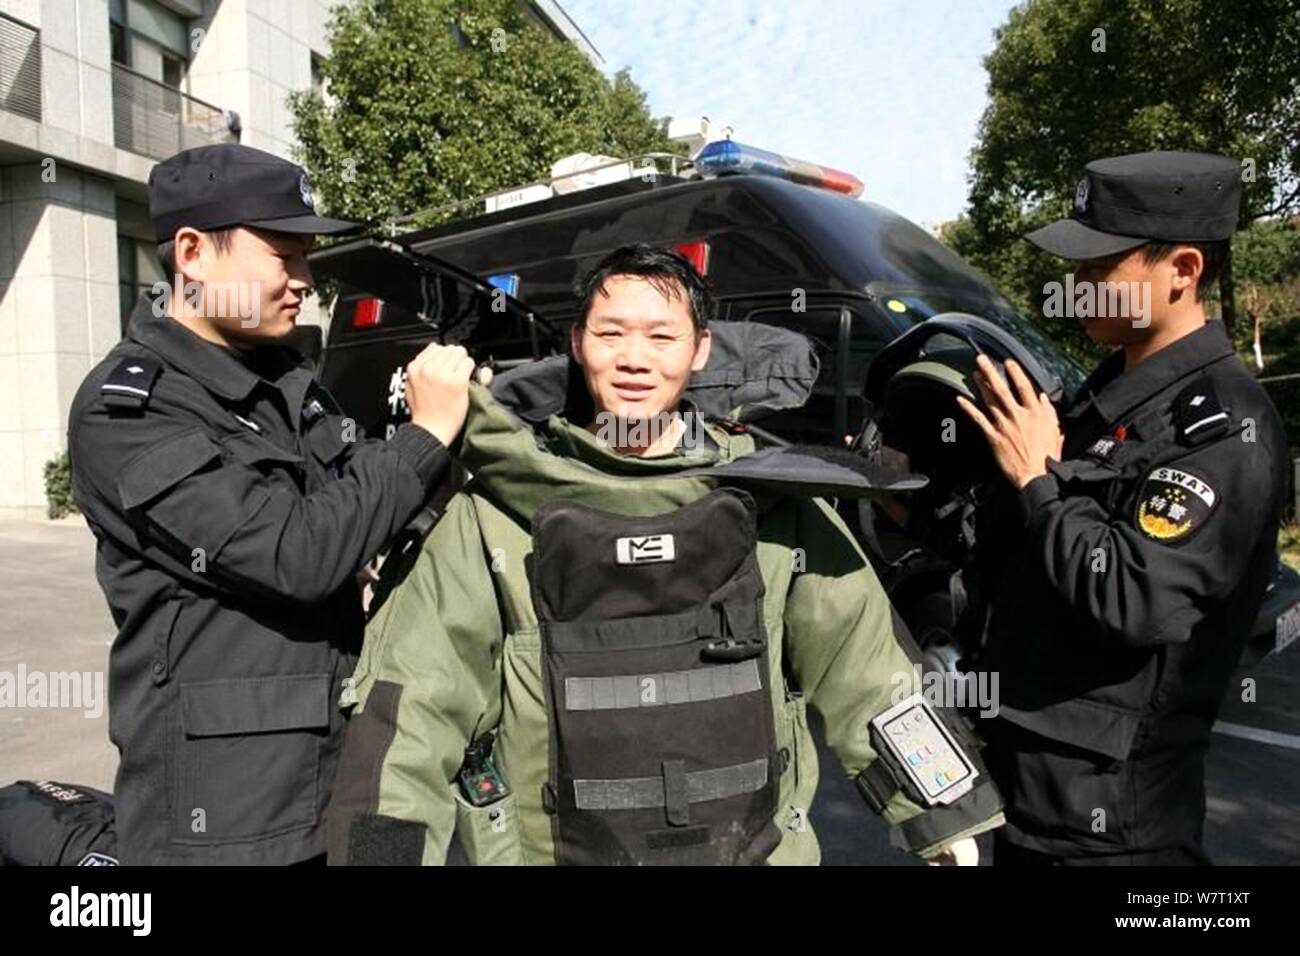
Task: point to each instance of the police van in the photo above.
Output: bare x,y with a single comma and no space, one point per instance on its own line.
782,242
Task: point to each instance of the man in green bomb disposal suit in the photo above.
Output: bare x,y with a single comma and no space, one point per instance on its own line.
603,651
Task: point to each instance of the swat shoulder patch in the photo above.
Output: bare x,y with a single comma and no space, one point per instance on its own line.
130,383
1172,503
1199,416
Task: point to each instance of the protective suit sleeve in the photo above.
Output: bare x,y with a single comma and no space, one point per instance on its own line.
849,652
428,679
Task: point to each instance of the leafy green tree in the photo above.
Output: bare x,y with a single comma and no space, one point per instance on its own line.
432,102
1072,81
1020,271
1268,277
1268,254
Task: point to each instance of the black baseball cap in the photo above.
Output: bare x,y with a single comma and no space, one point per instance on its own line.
214,187
1124,202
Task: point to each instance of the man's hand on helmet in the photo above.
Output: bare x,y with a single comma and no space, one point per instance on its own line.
1021,424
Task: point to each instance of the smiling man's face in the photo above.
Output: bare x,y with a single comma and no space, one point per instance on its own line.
638,347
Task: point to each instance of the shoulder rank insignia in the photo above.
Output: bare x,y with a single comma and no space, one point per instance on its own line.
1173,503
1198,414
130,383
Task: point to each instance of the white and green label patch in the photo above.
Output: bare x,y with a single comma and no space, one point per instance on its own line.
646,549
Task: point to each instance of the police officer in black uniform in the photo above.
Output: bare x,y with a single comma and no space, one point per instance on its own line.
234,506
1145,530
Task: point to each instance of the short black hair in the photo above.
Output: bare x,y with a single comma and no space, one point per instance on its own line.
1214,256
668,271
221,238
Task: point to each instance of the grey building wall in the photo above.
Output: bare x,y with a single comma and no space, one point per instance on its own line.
58,263
68,192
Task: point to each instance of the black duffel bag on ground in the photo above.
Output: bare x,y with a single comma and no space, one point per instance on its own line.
44,823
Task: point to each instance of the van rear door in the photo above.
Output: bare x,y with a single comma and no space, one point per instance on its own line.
391,302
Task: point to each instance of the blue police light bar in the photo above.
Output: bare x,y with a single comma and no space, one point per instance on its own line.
728,156
507,282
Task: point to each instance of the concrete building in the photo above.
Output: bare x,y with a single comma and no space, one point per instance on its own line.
92,94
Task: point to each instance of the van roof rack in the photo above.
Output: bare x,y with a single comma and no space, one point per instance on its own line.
645,167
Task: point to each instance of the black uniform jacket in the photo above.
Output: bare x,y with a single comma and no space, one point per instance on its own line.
1128,597
233,505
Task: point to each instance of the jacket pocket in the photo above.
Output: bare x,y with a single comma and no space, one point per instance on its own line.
1105,729
164,640
489,835
163,466
804,754
248,761
798,846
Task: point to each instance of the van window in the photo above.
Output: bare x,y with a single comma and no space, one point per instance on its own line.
821,326
919,305
454,313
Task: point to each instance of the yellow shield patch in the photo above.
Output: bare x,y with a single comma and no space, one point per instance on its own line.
1173,503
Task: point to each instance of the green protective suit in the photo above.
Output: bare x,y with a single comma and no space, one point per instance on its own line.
454,649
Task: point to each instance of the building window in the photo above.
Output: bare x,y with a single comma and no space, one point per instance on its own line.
171,71
150,19
126,292
138,269
117,35
150,39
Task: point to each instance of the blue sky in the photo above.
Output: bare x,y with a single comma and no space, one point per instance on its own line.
887,90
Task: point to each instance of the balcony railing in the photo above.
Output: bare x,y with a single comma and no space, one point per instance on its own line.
158,120
20,68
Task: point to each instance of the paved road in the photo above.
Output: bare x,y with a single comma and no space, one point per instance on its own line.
53,619
1252,781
